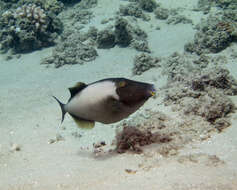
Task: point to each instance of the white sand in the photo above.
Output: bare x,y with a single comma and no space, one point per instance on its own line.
30,117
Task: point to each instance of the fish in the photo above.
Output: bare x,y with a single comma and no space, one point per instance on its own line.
106,101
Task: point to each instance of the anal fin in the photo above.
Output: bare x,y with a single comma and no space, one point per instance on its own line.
82,123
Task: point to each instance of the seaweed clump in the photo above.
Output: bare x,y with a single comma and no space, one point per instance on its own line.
131,138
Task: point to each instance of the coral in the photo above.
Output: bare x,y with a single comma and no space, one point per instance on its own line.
82,16
169,133
137,32
205,6
148,5
122,32
200,92
33,13
214,34
52,5
132,9
221,123
75,47
106,39
87,4
199,95
144,62
3,7
77,15
28,28
161,13
49,6
141,45
225,4
71,51
218,78
211,105
127,34
68,1
179,19
201,158
92,34
177,67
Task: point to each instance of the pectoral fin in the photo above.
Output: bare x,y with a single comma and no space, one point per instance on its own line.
82,123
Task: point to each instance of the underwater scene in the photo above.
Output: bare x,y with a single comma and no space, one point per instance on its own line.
118,94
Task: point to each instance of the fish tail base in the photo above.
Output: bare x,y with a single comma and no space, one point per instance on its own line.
62,108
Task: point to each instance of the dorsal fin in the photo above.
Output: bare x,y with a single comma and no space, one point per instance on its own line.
77,88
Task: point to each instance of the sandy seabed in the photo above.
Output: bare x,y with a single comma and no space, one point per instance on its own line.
57,157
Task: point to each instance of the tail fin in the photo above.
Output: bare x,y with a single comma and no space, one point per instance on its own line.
62,108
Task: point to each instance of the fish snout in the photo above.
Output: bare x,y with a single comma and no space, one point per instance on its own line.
151,91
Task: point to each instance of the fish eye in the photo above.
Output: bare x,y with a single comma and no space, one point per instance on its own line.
122,84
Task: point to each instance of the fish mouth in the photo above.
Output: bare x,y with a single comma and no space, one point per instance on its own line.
152,91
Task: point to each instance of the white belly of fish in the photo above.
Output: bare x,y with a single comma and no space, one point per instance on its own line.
89,103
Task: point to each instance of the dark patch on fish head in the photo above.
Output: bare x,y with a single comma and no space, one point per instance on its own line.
132,92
